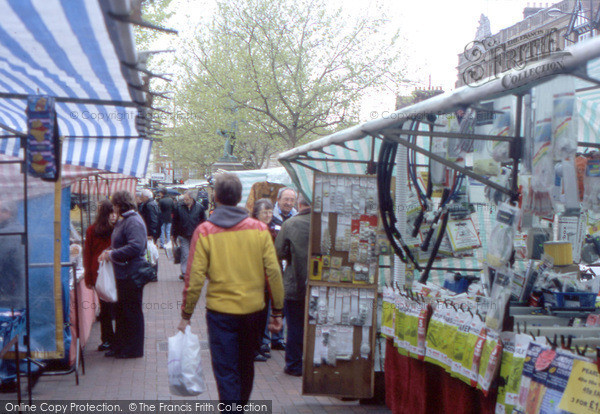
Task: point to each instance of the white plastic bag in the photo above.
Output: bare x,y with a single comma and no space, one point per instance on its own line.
151,253
169,250
184,364
106,287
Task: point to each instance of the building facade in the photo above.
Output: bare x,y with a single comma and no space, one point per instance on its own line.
542,32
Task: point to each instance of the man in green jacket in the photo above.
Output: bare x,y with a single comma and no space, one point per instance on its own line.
292,246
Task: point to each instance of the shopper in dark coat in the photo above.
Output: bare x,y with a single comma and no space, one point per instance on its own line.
292,246
150,212
127,254
166,206
186,217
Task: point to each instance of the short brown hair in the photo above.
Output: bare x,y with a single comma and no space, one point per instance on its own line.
228,189
124,200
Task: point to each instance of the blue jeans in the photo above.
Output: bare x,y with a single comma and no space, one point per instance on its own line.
233,341
185,252
294,314
165,234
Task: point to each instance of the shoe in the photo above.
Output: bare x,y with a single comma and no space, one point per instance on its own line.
181,277
265,350
127,356
154,280
278,346
8,386
292,373
110,353
105,346
260,358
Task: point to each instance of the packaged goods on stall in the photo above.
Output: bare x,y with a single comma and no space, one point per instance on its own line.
460,344
564,123
449,333
539,199
502,127
500,294
476,341
491,356
591,198
513,382
435,339
388,313
533,352
500,245
508,350
400,325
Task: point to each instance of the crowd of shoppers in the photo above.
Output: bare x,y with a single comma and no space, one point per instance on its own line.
241,257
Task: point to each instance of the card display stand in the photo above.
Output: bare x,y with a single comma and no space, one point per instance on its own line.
340,317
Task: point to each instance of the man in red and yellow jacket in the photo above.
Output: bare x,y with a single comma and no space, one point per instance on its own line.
236,254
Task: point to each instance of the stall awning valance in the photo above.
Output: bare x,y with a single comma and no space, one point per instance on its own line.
77,53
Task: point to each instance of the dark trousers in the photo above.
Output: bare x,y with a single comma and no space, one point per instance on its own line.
234,340
129,333
294,315
107,314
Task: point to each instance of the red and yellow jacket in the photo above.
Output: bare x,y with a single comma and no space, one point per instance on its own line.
236,254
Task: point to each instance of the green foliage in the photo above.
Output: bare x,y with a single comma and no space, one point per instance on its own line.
282,72
155,12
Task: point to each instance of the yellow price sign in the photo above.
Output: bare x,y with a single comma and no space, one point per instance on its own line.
582,395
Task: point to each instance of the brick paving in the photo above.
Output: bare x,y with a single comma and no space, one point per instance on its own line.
146,378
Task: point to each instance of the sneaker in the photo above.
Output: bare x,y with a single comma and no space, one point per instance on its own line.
278,346
181,277
265,350
105,346
260,358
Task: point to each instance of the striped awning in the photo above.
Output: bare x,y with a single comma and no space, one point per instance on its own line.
75,52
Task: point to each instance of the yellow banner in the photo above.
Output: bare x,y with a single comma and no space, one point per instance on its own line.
582,395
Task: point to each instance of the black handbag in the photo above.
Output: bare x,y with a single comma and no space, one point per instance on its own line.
142,274
177,255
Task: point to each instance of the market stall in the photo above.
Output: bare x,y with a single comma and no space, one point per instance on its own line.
71,94
487,196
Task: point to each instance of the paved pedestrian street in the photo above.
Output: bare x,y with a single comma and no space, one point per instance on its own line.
146,378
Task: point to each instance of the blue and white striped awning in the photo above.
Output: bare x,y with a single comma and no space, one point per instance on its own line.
74,51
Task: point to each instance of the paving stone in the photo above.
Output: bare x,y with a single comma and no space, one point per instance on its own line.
146,378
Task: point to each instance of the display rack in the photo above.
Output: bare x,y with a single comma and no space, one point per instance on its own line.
339,268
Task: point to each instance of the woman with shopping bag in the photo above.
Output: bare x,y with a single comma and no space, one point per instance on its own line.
127,254
97,239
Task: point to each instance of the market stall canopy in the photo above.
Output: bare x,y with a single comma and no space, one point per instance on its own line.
85,58
351,150
248,177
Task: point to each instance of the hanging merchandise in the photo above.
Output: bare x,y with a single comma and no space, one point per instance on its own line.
43,143
489,366
564,124
591,199
540,199
342,284
493,195
502,127
500,245
438,171
500,294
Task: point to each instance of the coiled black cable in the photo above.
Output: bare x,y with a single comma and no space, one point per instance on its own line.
385,167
